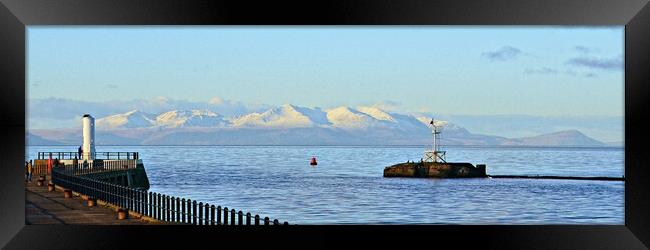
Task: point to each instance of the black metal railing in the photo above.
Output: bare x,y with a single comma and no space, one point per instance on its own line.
85,167
155,205
96,155
92,167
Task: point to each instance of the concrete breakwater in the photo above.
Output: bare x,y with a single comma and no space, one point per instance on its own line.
435,170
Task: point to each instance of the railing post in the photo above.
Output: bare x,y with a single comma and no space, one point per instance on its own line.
189,211
127,203
168,208
200,213
109,193
183,210
266,221
232,217
225,215
163,208
150,205
178,213
257,220
116,195
193,212
159,202
131,199
136,200
212,215
276,222
219,215
248,219
141,201
240,218
173,209
154,209
121,192
207,214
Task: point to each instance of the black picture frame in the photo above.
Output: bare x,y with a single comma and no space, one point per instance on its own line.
15,15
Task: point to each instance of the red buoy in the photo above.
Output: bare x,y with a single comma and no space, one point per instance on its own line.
313,161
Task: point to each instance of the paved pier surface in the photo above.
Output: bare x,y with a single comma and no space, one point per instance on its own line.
43,207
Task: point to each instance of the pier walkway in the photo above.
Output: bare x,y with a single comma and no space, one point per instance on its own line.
43,207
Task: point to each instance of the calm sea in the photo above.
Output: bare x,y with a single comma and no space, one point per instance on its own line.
347,186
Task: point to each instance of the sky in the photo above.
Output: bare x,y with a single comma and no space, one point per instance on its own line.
461,70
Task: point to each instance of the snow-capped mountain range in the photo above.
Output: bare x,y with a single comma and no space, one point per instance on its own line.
169,119
288,125
283,117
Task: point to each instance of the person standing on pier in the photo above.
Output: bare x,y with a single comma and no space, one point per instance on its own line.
30,170
79,152
26,171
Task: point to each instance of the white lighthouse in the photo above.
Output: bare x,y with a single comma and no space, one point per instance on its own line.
88,137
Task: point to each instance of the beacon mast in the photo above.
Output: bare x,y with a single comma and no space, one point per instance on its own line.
435,153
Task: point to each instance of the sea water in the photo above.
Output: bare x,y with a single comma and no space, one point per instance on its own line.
347,187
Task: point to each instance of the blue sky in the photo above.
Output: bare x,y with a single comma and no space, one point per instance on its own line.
462,70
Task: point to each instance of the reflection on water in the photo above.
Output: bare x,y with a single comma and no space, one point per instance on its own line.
347,184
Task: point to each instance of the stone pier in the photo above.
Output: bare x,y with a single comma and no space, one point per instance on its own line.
43,207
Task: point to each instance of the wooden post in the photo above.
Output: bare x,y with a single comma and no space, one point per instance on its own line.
266,221
92,201
240,218
232,217
248,219
276,222
122,214
257,220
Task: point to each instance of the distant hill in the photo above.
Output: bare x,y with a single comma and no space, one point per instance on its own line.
31,139
615,144
561,138
288,125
